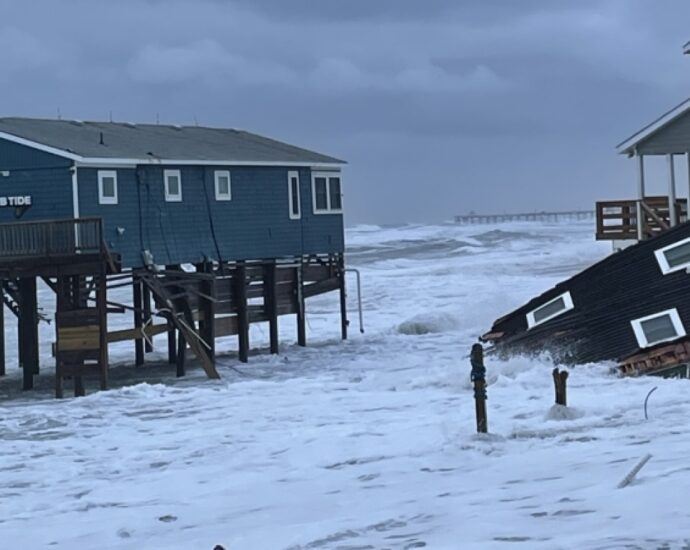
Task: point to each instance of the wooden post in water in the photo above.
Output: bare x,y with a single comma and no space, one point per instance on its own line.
301,310
137,298
207,305
146,295
478,377
102,305
28,330
172,333
559,381
271,303
172,350
242,312
181,351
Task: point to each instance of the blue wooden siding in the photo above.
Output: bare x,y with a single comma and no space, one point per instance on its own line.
321,232
120,221
47,178
255,224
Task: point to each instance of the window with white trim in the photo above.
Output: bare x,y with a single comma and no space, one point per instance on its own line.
674,257
550,310
326,193
173,185
107,187
293,196
664,326
223,185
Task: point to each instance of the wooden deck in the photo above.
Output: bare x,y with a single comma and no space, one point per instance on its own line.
194,308
50,238
617,220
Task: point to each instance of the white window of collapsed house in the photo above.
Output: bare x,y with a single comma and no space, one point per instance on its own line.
674,257
107,187
293,196
550,310
223,185
664,326
173,185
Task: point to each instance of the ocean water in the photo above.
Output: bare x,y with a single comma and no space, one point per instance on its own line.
363,444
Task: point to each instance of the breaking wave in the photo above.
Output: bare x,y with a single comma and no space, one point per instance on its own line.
428,323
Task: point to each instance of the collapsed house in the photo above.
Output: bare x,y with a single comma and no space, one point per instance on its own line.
633,307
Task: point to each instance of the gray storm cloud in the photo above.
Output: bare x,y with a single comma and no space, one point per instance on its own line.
440,106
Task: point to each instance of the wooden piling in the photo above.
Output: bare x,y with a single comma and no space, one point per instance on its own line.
180,356
172,343
102,306
478,377
137,298
61,301
146,296
301,310
207,305
271,304
242,312
78,301
559,381
28,330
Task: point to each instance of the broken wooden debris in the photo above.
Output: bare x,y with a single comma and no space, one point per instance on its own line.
627,480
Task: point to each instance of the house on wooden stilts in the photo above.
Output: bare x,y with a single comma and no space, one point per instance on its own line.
212,229
633,307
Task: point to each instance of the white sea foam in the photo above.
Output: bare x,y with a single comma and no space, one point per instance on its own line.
364,444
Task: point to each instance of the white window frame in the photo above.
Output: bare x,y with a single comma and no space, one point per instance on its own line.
642,337
102,174
663,262
567,300
328,176
293,216
169,197
217,174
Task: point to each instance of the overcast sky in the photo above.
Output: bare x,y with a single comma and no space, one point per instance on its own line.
439,106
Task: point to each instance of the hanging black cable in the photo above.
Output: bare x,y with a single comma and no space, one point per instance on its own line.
210,218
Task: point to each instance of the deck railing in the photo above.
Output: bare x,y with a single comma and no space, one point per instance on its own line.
51,238
617,220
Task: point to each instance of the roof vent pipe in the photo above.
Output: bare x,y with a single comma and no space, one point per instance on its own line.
101,140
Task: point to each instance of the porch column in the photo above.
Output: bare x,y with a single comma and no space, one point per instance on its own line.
640,196
672,215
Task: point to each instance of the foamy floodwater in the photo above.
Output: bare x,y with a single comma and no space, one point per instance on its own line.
366,444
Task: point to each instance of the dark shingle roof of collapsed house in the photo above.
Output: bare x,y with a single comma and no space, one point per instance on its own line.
154,142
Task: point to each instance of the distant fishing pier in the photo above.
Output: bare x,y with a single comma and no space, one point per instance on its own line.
571,215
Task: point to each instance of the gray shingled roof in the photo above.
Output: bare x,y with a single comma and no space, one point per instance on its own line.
628,146
153,141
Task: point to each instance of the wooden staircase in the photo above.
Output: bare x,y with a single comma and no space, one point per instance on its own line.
171,295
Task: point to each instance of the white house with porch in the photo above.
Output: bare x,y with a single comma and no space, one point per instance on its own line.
626,222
